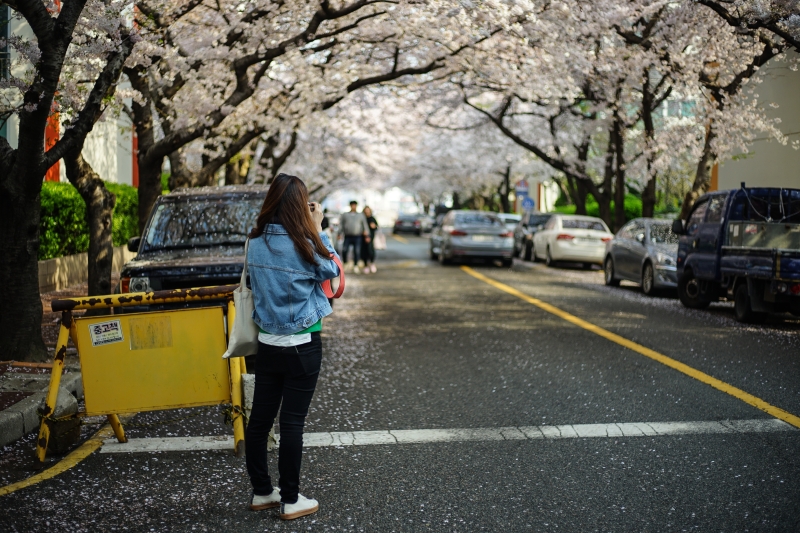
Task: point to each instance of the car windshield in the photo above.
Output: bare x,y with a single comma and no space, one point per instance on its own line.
191,222
477,219
537,220
580,223
662,234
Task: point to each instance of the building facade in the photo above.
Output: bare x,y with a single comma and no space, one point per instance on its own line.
769,163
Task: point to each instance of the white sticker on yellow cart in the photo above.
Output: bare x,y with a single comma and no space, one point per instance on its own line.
106,332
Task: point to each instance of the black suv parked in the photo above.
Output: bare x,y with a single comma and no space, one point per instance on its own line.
194,238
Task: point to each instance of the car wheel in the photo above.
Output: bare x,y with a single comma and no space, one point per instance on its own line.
689,292
608,266
548,259
528,252
418,233
507,262
743,307
648,280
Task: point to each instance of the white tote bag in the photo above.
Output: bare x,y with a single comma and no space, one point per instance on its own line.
244,332
380,240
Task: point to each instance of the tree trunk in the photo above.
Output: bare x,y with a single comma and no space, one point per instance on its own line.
149,188
99,210
179,175
604,199
149,164
649,196
504,190
702,178
581,192
456,201
619,173
21,313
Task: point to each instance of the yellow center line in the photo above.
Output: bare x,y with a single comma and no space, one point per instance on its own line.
737,393
400,239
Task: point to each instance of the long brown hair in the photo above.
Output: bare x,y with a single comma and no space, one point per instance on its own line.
287,204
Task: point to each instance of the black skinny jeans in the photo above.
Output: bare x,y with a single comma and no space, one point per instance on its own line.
368,250
288,374
355,242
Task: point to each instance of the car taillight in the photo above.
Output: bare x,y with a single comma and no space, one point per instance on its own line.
564,237
458,233
507,234
795,289
605,239
125,285
416,222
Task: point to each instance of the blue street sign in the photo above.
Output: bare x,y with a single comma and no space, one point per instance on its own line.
528,204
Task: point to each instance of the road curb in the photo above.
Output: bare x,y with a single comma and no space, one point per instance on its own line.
22,417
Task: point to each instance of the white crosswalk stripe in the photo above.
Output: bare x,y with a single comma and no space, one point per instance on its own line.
419,436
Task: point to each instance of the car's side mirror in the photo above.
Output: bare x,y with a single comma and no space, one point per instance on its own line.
677,227
133,244
640,238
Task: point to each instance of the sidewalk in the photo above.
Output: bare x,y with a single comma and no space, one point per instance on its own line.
23,386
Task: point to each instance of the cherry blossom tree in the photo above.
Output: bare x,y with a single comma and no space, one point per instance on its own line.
70,66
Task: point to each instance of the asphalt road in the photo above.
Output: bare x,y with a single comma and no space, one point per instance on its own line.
418,346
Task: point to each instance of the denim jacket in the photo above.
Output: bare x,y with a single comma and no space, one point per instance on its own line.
286,291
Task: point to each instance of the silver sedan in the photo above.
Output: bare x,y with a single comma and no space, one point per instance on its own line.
644,251
471,234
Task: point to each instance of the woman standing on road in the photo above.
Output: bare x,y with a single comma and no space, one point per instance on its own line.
289,256
368,247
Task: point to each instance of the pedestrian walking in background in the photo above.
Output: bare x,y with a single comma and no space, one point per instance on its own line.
368,246
355,229
288,257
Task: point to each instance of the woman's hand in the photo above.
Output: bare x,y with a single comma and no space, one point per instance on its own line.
317,215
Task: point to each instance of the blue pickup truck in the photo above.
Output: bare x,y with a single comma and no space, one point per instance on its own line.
742,245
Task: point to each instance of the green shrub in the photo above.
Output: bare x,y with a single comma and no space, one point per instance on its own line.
125,223
63,229
633,207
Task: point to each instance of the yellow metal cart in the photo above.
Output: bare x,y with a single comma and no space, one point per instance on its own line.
154,360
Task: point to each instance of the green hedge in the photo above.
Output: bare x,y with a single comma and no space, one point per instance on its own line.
633,207
63,229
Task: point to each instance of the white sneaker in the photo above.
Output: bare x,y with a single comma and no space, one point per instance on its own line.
271,501
373,268
304,506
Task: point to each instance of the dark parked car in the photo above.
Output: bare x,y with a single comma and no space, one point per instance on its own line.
523,233
408,224
194,238
644,251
